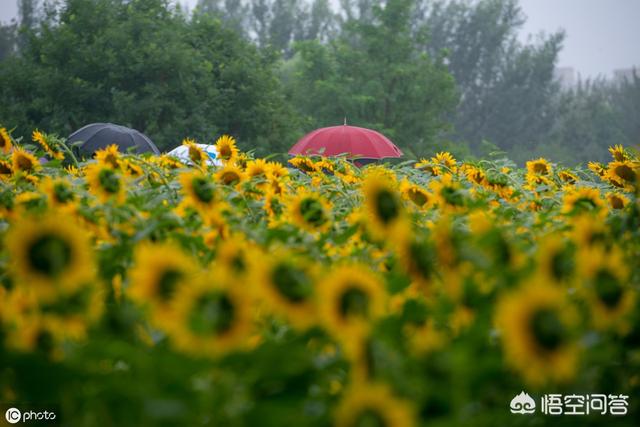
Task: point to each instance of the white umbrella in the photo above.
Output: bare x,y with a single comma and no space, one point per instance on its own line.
182,153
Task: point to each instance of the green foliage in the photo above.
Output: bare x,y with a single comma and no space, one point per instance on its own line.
506,88
374,76
144,64
588,119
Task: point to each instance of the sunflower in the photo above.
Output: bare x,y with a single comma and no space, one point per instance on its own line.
447,160
309,211
535,323
622,174
50,255
618,153
276,171
227,150
159,271
72,314
617,200
371,404
35,335
230,174
607,288
217,224
197,156
132,169
539,167
383,205
587,232
59,192
567,177
287,286
24,161
274,207
556,260
419,259
428,166
345,171
416,194
105,182
5,141
475,175
582,200
419,329
6,169
597,168
109,156
235,253
41,326
350,299
305,164
257,169
46,145
199,190
448,192
168,162
213,317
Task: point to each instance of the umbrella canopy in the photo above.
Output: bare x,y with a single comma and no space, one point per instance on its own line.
98,136
354,141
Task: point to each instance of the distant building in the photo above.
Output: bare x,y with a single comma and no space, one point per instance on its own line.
567,77
625,74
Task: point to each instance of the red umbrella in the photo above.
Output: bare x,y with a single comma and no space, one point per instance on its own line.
351,140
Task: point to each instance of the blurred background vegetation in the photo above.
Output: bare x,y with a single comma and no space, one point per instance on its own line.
431,74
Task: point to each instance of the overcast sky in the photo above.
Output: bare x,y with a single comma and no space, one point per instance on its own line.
602,35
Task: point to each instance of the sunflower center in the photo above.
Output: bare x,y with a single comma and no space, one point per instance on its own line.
293,283
109,180
24,163
44,341
540,168
212,314
452,196
418,197
5,168
421,258
608,288
203,189
548,330
168,283
230,177
369,418
387,206
584,204
312,212
354,302
626,173
63,193
617,202
225,152
562,264
49,255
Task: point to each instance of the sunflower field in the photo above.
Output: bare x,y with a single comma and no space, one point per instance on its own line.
142,291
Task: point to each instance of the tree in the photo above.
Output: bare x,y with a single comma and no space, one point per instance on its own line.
506,88
144,65
374,75
592,117
7,40
275,24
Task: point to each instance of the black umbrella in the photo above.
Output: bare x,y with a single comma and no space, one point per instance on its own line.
97,136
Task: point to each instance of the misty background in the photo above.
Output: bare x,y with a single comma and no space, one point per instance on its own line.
528,77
